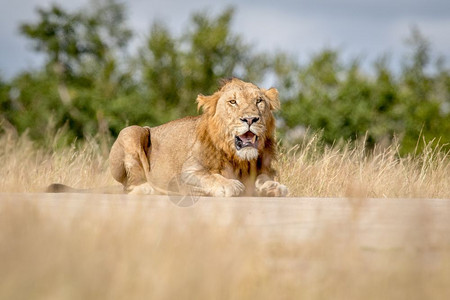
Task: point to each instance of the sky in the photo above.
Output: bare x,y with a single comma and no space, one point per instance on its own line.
365,29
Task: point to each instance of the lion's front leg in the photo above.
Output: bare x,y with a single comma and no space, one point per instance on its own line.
142,189
219,186
214,184
265,186
210,183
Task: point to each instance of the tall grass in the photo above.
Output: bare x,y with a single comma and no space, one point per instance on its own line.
315,169
311,169
28,167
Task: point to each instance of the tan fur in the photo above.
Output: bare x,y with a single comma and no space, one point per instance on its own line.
201,150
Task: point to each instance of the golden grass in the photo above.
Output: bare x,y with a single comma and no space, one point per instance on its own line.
122,247
309,170
316,170
27,167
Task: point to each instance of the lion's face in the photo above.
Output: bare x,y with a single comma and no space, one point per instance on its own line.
243,112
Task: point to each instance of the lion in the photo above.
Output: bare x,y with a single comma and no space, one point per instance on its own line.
226,151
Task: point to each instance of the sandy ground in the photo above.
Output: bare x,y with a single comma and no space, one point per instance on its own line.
376,223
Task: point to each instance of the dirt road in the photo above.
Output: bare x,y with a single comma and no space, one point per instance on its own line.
95,246
376,223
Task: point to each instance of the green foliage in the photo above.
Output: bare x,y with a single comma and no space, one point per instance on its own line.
82,73
5,105
91,84
347,104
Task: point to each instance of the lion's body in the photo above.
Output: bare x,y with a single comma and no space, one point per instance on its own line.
168,155
226,151
165,155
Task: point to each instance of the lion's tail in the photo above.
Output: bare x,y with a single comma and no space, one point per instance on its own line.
62,188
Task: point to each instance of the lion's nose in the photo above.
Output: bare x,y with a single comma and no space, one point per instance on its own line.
250,120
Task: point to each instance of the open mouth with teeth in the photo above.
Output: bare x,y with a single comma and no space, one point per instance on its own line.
248,139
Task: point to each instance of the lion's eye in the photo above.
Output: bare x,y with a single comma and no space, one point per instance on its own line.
259,100
232,102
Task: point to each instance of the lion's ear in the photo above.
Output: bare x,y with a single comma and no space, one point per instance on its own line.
272,94
208,103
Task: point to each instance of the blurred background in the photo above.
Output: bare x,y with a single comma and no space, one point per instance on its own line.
351,69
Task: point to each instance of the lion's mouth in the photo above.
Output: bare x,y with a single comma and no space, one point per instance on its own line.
248,139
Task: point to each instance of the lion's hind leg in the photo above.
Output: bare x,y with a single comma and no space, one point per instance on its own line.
128,160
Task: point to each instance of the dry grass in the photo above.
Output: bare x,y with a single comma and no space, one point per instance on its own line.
312,169
309,170
27,167
120,247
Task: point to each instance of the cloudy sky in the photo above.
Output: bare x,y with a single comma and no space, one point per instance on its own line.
362,28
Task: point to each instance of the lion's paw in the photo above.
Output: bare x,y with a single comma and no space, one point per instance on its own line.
228,188
143,189
272,188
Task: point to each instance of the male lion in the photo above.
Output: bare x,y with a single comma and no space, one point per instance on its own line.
226,151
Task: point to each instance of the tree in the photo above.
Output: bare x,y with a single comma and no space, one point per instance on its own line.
346,103
81,74
176,69
424,96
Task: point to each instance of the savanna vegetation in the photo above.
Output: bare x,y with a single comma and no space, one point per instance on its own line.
337,117
345,132
93,82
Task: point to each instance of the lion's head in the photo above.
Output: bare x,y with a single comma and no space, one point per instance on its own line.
239,118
